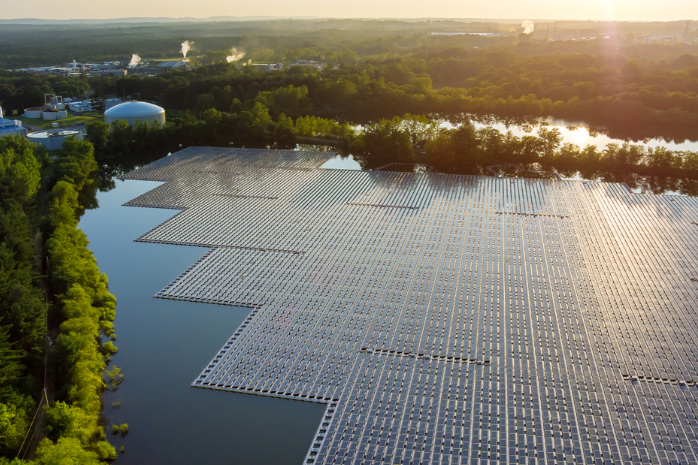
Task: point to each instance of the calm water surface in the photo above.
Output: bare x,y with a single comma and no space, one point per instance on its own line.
164,345
579,133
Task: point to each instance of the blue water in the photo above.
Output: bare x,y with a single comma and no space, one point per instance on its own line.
163,345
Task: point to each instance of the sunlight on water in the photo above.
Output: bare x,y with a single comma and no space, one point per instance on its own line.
341,163
578,133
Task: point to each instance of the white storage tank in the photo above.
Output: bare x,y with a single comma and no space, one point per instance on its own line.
135,111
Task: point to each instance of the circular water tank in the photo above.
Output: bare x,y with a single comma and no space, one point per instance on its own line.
135,111
53,140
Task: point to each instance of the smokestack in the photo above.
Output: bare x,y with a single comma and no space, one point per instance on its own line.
135,60
528,27
186,46
235,55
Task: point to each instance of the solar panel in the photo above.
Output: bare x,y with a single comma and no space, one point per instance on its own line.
444,319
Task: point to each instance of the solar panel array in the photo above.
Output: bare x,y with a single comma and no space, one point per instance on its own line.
445,319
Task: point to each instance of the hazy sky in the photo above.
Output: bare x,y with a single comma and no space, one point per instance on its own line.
532,9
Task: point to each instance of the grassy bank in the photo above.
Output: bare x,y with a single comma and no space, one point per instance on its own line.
71,120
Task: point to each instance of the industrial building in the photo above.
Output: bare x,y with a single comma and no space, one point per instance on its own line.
165,66
444,319
80,106
52,110
307,64
11,127
264,67
112,72
132,112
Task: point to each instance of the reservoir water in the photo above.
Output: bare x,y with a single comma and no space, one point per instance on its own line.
163,346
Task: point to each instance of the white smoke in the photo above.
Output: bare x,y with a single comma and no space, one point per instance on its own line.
235,55
528,27
135,61
186,46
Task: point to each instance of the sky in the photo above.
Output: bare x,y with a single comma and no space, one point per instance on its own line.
650,10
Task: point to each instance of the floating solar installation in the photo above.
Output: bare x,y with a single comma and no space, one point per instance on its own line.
445,319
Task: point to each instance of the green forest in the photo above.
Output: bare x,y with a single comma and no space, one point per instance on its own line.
56,312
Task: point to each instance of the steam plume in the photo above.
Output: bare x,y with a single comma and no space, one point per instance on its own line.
135,60
528,27
186,46
235,55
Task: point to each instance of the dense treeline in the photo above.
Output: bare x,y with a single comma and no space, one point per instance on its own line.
468,150
86,310
631,96
22,308
460,150
83,306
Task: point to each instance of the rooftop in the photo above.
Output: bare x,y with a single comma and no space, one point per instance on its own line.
8,124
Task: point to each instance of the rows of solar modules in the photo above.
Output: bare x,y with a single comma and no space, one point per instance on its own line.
445,319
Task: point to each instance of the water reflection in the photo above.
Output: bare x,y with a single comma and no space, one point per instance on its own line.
580,133
637,183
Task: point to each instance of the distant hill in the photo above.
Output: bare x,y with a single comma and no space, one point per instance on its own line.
38,21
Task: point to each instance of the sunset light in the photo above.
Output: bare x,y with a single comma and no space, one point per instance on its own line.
349,233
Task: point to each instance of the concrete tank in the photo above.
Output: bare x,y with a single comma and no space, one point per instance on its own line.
54,115
53,140
35,112
131,112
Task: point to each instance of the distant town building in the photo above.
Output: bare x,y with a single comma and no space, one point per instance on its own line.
172,65
112,72
307,64
264,67
484,34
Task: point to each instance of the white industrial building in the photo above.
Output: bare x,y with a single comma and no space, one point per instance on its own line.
79,106
132,112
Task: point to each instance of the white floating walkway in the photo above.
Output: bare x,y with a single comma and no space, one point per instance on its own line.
445,319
